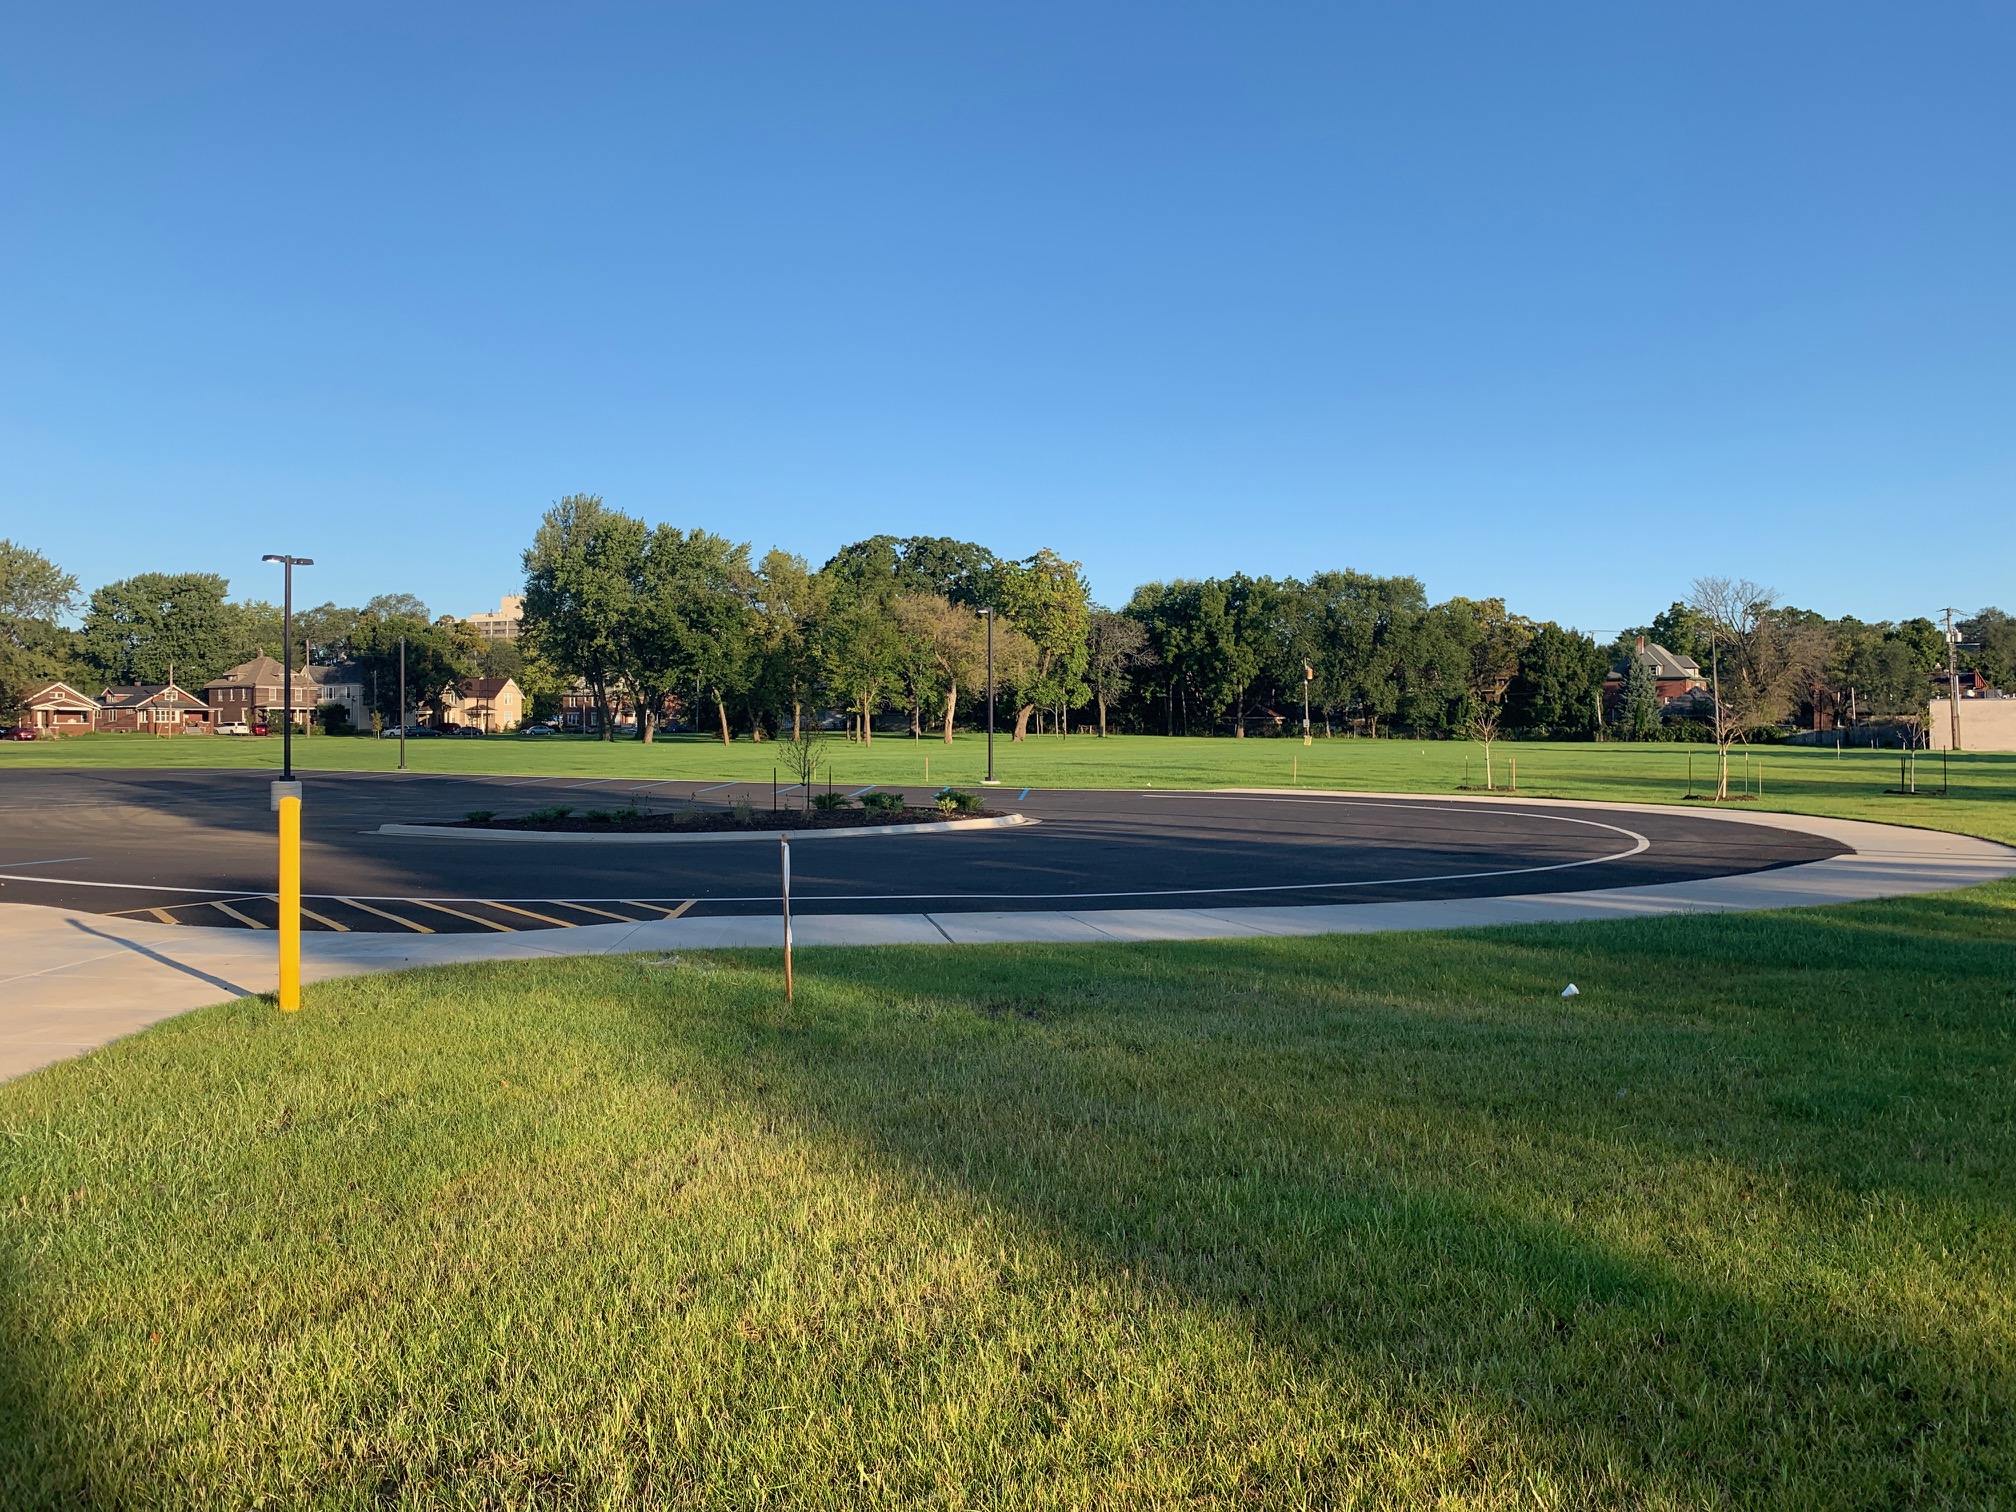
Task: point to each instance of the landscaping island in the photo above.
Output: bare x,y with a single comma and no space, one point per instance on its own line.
828,812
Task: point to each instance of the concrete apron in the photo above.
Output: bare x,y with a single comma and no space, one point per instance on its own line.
70,982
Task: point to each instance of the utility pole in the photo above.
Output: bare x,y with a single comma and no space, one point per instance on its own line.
1952,681
402,703
287,566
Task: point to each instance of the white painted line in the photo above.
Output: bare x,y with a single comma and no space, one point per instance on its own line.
58,860
714,789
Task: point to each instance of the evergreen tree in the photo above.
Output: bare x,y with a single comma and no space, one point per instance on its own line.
1638,709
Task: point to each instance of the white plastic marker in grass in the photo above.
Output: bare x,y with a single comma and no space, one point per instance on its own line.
784,844
1571,990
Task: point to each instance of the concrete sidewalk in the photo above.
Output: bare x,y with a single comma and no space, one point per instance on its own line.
70,981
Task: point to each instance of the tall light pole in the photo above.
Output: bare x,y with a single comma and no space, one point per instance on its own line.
989,780
287,566
402,703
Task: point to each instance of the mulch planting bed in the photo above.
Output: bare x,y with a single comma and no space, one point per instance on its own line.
758,819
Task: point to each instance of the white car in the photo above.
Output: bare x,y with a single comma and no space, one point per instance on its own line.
236,727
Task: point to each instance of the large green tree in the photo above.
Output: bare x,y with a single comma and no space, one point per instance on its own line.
581,572
436,661
1557,693
689,622
140,629
1045,598
34,594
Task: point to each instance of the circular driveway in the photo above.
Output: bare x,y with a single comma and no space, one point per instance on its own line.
198,848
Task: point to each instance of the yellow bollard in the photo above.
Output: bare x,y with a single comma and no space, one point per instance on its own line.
290,904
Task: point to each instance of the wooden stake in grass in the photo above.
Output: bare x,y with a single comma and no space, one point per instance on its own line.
784,845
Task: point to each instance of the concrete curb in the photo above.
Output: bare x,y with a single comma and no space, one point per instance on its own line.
768,836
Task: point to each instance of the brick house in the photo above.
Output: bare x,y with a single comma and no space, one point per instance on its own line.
151,708
1683,689
579,716
56,708
250,693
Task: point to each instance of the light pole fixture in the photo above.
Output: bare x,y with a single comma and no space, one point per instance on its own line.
990,780
402,703
287,566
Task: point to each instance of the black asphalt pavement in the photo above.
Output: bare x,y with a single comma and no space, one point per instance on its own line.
198,848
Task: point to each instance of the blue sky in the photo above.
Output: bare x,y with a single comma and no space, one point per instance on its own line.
1565,303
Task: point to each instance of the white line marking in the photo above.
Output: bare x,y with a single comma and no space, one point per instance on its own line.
56,861
714,789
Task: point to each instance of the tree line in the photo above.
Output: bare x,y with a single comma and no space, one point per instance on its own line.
183,627
671,626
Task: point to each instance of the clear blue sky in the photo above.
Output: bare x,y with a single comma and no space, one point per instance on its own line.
1568,303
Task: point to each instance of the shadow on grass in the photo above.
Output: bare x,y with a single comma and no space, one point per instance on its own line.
1392,1188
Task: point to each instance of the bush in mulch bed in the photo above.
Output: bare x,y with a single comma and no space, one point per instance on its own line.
632,822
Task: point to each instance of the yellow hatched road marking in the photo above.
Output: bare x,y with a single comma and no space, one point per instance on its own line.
163,915
242,918
472,918
325,922
542,918
416,928
670,913
620,918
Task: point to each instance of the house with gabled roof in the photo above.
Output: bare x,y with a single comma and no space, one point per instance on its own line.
489,704
1683,688
250,693
56,708
154,708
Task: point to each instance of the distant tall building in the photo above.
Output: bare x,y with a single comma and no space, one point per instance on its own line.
503,625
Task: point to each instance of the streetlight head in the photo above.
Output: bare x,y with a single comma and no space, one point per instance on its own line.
291,561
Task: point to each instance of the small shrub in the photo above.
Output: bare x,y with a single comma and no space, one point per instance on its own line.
744,814
882,803
480,816
599,816
826,803
961,802
556,812
947,805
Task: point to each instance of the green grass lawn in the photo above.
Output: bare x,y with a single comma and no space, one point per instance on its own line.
1374,1220
1795,779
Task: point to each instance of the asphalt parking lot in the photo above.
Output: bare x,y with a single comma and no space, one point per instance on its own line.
197,848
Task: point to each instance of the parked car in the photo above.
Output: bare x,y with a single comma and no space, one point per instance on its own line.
414,732
260,729
21,732
539,729
234,727
466,732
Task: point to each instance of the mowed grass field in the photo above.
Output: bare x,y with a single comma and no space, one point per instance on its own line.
1795,779
1314,1223
1347,1221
